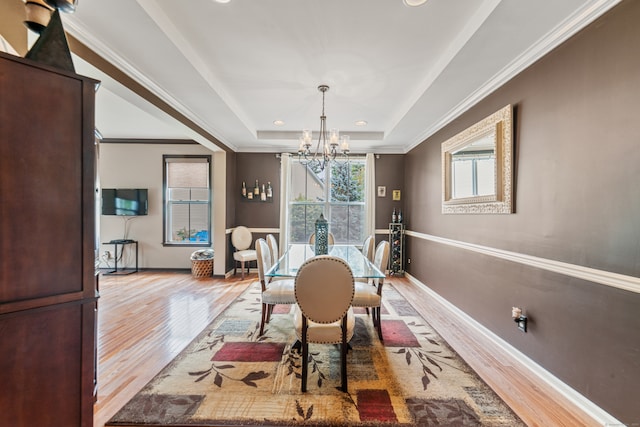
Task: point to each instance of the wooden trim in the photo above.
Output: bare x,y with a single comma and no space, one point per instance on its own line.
147,141
49,68
607,278
100,63
89,362
256,230
32,303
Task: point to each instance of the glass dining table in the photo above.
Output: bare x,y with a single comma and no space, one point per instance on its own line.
289,263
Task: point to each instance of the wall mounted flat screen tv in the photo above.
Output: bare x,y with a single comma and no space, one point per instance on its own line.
124,201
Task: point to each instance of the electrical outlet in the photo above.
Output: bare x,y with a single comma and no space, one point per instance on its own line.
522,323
408,260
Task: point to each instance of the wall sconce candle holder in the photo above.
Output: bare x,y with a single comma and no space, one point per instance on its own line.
519,318
257,193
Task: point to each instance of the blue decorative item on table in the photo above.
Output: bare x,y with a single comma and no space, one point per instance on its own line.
322,236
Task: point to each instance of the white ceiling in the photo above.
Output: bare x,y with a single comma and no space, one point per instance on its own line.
235,68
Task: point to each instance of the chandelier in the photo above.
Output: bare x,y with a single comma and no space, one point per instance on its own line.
327,147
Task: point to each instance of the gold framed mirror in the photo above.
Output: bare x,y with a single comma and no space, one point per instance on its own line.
477,167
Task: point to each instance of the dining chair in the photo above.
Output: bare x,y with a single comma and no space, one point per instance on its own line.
368,294
273,247
368,247
241,239
324,289
330,240
273,292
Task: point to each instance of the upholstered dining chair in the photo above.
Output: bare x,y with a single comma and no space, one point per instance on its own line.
369,294
273,247
368,247
324,290
330,239
241,239
273,292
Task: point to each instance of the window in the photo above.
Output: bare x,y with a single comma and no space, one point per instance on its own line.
187,200
337,192
473,174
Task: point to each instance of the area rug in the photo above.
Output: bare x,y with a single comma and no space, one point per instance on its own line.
230,376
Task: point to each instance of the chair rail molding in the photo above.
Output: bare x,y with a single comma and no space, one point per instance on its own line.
256,230
607,278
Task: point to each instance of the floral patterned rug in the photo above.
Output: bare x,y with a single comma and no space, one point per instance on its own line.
230,376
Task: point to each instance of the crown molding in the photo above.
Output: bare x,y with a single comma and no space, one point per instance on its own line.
202,67
563,31
84,36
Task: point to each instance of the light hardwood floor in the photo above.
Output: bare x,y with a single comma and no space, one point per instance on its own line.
146,319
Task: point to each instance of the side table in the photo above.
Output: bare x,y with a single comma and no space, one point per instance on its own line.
123,243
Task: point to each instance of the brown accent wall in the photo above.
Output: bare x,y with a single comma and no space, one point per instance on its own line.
230,188
577,171
265,167
230,206
390,174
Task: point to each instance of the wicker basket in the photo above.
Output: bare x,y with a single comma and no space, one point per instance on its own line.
202,263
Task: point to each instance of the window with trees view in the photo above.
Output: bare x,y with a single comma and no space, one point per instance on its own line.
337,191
187,200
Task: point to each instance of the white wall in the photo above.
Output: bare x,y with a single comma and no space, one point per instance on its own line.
140,166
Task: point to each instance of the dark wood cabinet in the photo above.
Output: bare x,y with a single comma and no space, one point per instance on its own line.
48,294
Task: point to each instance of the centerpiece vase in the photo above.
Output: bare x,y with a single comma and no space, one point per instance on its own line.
322,236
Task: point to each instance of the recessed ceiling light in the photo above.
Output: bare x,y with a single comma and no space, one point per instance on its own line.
413,3
222,1
361,123
278,122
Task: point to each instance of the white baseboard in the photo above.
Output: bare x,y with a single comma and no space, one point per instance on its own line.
581,402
